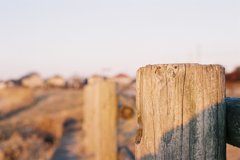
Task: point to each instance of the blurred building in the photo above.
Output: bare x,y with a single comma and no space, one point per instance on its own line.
129,90
233,83
56,82
12,83
75,82
32,80
122,80
3,85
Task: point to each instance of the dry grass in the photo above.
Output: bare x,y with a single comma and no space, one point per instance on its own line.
13,98
35,133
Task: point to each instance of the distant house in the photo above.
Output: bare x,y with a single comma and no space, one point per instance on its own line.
56,81
129,90
13,83
233,76
32,80
3,85
75,82
233,83
122,80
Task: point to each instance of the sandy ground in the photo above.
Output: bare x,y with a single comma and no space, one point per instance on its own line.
47,124
34,129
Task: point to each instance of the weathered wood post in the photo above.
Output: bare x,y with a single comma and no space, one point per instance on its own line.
181,112
233,121
100,116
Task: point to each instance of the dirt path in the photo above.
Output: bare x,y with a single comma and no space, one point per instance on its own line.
22,109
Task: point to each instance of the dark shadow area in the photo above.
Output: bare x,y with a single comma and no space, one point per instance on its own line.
201,137
233,121
126,152
48,138
63,152
68,123
22,109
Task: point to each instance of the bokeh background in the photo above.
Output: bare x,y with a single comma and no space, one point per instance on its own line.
50,48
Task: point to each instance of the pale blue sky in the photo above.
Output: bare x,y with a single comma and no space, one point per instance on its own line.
85,36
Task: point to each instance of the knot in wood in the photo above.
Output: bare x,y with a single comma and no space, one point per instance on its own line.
171,72
139,136
158,70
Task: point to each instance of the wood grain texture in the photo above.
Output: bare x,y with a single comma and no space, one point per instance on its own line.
181,112
233,121
100,120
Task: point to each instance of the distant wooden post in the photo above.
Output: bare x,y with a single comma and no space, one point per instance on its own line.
100,116
181,112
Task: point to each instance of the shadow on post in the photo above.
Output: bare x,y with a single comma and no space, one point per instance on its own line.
203,137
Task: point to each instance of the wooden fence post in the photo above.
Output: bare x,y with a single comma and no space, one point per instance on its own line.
233,121
181,112
100,116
